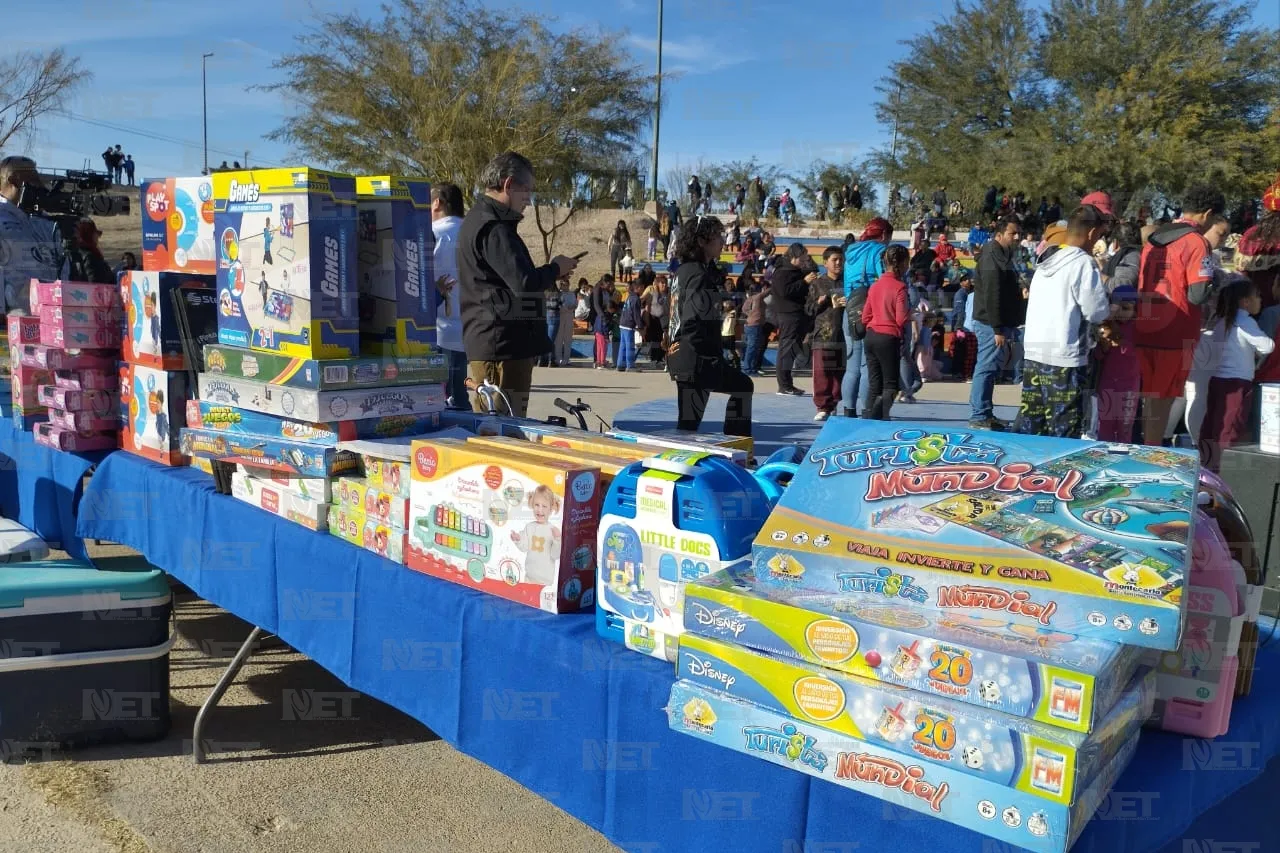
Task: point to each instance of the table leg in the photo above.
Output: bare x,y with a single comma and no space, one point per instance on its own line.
215,696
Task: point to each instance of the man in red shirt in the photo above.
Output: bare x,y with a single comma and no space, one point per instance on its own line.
1177,266
945,251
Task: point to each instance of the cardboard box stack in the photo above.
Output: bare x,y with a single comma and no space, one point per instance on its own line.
63,357
958,623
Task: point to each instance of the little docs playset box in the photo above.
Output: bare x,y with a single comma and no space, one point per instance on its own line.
1082,537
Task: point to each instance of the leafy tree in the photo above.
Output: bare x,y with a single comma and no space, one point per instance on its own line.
833,176
725,175
438,87
34,84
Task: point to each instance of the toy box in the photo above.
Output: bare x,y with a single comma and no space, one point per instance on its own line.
392,476
395,262
202,464
1081,537
287,262
576,439
667,521
83,422
311,488
1269,427
152,405
207,415
22,330
100,403
55,358
102,337
26,420
609,466
737,448
73,317
318,406
357,497
277,454
86,380
177,225
78,294
61,438
152,336
263,494
513,527
331,375
376,536
1047,676
1007,815
1049,762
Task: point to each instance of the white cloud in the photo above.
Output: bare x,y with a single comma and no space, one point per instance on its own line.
694,55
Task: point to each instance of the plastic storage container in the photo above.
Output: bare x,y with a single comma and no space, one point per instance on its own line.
84,656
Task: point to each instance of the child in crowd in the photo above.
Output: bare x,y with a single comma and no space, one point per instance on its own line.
729,332
626,266
564,334
929,347
628,322
1118,370
1226,414
753,331
654,234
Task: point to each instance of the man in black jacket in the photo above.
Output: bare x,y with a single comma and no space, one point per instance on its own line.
503,301
790,289
996,308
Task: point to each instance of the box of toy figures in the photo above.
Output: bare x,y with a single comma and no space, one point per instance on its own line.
152,411
395,264
1076,536
287,261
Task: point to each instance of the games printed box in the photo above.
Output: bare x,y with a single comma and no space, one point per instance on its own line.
998,811
395,262
177,225
1048,762
1081,537
322,406
1044,675
516,528
287,261
330,375
152,337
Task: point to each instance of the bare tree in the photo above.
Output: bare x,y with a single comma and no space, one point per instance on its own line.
32,85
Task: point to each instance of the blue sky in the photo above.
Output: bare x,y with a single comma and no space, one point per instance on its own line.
787,82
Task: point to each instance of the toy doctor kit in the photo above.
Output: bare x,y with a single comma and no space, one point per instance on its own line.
1082,537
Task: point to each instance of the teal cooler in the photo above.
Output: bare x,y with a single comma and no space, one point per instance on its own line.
84,656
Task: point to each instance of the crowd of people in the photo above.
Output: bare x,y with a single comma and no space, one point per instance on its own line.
119,165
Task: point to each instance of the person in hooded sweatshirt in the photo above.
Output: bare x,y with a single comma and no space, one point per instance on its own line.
1067,295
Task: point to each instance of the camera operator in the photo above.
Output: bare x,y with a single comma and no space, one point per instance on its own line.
30,245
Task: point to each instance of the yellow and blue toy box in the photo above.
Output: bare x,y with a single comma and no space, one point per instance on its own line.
177,225
1048,762
286,246
1044,675
1082,537
1013,817
395,262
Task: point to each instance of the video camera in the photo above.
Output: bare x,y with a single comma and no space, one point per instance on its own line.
70,196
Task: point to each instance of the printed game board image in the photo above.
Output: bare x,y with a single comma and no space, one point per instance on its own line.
1089,538
275,289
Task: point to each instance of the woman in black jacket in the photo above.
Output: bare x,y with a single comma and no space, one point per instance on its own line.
695,359
790,286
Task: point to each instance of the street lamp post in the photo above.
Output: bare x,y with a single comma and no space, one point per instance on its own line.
204,111
657,108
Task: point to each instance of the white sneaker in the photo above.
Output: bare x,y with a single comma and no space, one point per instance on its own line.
821,416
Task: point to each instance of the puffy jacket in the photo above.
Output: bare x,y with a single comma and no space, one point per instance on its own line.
694,328
1122,267
630,318
503,293
997,294
790,290
863,265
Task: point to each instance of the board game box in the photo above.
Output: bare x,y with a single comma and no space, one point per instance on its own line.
287,261
321,406
283,456
1081,537
737,448
395,262
291,507
330,375
177,225
1010,816
1046,761
152,337
1044,675
208,415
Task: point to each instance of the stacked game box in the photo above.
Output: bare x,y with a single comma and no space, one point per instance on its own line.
64,384
973,614
282,418
395,262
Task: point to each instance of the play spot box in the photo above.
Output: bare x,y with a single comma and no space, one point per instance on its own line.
152,337
287,261
514,527
177,225
1053,678
1081,537
395,263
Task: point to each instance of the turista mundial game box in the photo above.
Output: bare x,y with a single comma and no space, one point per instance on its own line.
1082,537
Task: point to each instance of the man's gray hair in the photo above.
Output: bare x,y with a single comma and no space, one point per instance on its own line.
14,163
508,164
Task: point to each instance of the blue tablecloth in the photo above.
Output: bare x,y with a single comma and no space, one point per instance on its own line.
40,487
579,720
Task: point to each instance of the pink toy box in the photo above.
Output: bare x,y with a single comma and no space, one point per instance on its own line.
55,358
86,379
77,294
99,403
22,330
83,421
103,337
61,438
72,317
